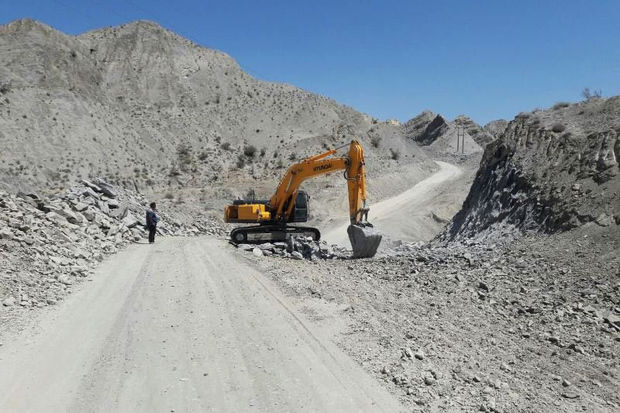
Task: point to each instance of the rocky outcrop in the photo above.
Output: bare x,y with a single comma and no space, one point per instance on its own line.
548,172
480,135
440,135
496,127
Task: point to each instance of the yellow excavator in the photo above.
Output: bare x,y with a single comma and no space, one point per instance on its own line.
290,205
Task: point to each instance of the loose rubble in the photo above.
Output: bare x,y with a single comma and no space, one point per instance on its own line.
48,244
297,248
529,324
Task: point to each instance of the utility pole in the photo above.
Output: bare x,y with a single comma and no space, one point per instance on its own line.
460,139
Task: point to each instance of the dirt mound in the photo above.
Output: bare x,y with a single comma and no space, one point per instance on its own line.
550,171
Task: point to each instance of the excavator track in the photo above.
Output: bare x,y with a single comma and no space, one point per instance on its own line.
271,233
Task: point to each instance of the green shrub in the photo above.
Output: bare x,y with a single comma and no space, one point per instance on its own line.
394,154
225,146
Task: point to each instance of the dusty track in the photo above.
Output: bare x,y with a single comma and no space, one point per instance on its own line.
407,216
180,326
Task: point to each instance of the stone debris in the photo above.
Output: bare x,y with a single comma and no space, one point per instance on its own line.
299,248
46,245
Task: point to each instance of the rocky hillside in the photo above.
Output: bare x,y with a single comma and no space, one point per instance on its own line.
48,244
145,108
440,135
549,171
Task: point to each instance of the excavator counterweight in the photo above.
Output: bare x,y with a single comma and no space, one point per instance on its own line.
290,205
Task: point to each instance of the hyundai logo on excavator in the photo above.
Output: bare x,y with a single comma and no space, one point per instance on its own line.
322,167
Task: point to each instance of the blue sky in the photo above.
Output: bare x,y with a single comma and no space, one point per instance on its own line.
390,59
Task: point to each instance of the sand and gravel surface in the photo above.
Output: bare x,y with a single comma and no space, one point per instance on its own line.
417,213
184,325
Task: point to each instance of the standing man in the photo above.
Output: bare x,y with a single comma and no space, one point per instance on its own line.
151,222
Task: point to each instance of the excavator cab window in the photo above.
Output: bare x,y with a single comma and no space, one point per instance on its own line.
300,210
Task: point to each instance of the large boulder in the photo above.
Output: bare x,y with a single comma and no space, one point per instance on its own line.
107,189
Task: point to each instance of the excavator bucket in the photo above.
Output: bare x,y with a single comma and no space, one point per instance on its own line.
365,240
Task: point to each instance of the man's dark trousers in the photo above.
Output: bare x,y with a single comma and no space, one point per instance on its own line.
152,230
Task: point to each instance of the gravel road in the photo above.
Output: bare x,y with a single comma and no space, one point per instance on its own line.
181,326
408,216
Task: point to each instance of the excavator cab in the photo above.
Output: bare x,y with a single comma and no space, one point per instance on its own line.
301,208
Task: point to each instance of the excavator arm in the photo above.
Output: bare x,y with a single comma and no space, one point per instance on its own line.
273,215
354,172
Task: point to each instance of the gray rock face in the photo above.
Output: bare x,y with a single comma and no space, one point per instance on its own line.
539,176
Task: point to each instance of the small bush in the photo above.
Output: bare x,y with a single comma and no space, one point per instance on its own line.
524,115
280,164
5,88
249,151
375,141
558,127
588,95
263,151
560,105
394,154
169,195
240,162
225,146
292,156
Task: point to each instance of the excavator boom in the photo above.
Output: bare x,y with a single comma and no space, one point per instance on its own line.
283,207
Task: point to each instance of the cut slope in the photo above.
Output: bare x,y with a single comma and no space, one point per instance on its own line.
550,171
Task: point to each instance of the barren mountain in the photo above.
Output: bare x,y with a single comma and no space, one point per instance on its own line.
145,108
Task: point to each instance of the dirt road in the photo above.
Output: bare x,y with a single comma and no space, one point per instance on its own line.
181,326
408,216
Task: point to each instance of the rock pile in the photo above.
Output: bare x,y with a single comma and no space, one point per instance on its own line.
298,248
46,245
